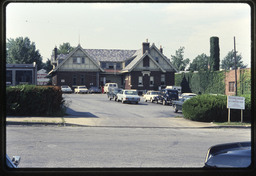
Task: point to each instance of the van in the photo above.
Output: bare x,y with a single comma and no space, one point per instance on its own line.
109,86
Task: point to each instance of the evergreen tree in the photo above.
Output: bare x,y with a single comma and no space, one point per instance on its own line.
214,54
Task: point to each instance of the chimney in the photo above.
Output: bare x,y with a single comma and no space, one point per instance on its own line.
145,46
55,53
161,49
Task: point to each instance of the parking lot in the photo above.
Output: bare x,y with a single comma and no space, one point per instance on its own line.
98,110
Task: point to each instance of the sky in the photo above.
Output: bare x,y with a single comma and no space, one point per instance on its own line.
127,25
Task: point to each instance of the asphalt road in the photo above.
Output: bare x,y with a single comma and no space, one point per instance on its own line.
89,147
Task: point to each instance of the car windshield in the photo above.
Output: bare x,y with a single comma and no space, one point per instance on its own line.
64,86
172,92
130,93
154,93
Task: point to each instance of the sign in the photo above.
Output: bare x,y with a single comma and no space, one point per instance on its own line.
235,102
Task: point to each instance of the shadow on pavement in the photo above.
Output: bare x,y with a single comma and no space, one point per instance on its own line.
77,114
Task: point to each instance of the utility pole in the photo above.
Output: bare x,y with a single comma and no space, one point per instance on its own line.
235,65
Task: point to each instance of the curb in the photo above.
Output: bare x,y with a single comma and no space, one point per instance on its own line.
79,125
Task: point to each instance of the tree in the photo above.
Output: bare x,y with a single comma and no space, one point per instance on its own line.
214,54
199,63
178,61
48,66
22,51
65,48
229,61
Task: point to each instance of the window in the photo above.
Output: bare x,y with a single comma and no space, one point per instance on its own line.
78,60
231,87
74,79
151,81
74,60
140,80
162,79
83,60
157,59
146,62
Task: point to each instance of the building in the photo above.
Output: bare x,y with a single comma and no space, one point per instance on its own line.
143,69
21,74
42,77
243,81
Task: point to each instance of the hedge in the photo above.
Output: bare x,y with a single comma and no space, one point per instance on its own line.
31,100
213,108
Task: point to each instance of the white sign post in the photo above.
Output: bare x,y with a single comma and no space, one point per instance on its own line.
234,102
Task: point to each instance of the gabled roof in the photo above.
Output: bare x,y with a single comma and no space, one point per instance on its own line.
137,60
71,53
163,56
110,55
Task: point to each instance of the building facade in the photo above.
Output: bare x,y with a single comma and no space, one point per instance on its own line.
143,69
21,74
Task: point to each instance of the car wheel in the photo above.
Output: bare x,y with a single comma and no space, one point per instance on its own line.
122,101
145,100
115,99
110,98
175,109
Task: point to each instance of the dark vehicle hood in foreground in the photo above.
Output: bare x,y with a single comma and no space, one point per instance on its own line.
235,155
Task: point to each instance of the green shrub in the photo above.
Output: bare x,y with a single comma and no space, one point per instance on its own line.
31,100
213,108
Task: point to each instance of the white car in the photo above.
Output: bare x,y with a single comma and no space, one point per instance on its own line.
66,89
150,96
81,89
109,86
128,96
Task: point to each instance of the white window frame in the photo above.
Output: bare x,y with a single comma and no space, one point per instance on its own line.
151,81
140,81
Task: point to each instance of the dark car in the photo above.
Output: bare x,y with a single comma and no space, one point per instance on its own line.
235,155
167,96
112,93
14,162
177,105
94,90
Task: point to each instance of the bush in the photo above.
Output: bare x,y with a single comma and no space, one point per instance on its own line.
31,100
213,108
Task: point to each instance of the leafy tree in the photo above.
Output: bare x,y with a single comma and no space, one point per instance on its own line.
214,53
65,48
178,60
22,51
47,66
229,61
199,63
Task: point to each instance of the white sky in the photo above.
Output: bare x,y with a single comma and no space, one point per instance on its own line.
126,26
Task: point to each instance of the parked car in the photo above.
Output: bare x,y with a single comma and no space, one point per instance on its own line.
177,105
128,96
109,86
112,94
81,89
188,94
150,96
167,96
66,89
94,89
14,162
230,155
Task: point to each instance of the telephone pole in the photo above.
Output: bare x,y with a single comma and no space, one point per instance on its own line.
235,65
